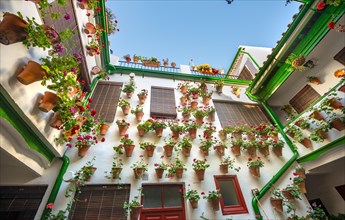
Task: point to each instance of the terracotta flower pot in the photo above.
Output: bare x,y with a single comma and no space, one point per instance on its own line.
317,115
301,173
222,135
219,89
192,133
278,151
255,171
206,100
159,132
199,120
128,149
141,131
142,99
116,172
315,81
56,121
95,70
215,204
338,124
186,115
287,194
51,33
194,203
129,94
83,5
194,105
195,95
236,150
224,168
335,104
135,212
277,204
204,151
251,151
122,129
12,29
183,89
207,134
159,172
342,88
306,143
103,129
211,116
32,72
179,172
186,151
139,116
237,135
83,150
48,101
175,134
125,109
301,186
200,174
274,137
264,150
90,28
168,150
150,150
138,172
220,150
88,177
183,100
322,134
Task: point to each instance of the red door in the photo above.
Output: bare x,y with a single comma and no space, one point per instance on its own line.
162,202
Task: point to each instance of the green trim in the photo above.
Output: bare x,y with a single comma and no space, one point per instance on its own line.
252,58
16,117
308,43
176,76
318,152
57,185
104,37
317,101
234,60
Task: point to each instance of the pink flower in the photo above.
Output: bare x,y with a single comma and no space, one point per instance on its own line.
67,16
50,205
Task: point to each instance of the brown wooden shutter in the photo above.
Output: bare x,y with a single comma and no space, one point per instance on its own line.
245,74
230,112
100,202
163,103
20,202
105,98
304,98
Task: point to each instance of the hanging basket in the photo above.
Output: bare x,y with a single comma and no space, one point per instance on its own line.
12,29
32,72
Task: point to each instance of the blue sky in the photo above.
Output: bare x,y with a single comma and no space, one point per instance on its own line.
205,31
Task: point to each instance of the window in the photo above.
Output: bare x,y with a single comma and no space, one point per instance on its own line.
100,202
229,112
20,202
105,98
163,103
304,98
245,74
341,191
340,57
231,201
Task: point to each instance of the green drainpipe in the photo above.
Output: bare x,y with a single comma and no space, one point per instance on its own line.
57,184
286,166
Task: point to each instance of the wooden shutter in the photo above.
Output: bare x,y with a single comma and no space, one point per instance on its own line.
20,202
163,103
105,98
230,112
98,202
245,74
304,98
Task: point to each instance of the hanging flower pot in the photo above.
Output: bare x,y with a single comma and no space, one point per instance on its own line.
186,151
211,116
301,186
277,204
179,172
48,101
317,115
204,151
122,129
306,143
84,4
175,134
322,134
255,171
298,62
56,122
199,120
192,133
335,103
95,70
278,151
194,105
194,203
251,151
32,72
135,212
301,173
287,194
139,116
83,150
237,134
215,204
129,94
219,89
90,28
125,109
220,150
159,172
12,29
183,89
339,73
103,129
264,150
88,176
138,172
159,132
183,100
338,124
168,150
150,150
200,174
224,168
186,115
116,171
236,150
206,100
222,135
342,88
141,131
128,149
142,98
173,64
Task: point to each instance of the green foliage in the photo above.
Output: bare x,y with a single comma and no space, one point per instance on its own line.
230,163
127,206
213,195
200,164
192,194
129,87
123,102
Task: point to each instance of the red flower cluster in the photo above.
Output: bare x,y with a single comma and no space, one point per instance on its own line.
321,6
331,25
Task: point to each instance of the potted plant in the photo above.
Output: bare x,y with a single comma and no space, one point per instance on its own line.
129,88
264,128
199,115
300,182
296,62
151,62
199,167
236,144
303,123
320,132
206,97
123,126
316,212
127,144
185,145
263,146
169,146
160,167
127,57
138,112
222,134
205,145
185,110
331,101
116,168
277,200
291,192
236,91
213,196
211,113
93,47
87,4
316,115
293,131
219,147
166,62
300,171
337,122
203,86
251,133
227,163
193,197
173,64
83,143
277,147
136,58
191,127
183,87
87,171
237,129
158,125
273,133
313,79
219,84
289,110
133,207
103,127
142,95
193,104
144,127
48,101
175,128
209,129
194,91
148,147
125,106
111,22
251,147
139,167
254,166
176,168
184,99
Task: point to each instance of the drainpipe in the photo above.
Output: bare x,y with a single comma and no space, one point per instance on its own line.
57,184
286,166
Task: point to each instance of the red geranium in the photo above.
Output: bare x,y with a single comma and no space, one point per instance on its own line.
331,25
321,6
